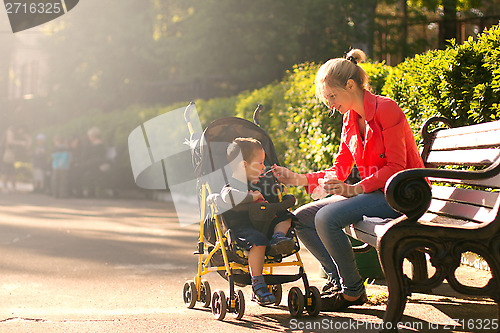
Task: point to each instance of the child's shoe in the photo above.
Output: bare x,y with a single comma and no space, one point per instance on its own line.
262,294
281,245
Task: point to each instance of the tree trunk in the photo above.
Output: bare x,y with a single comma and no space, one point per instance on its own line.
448,25
404,37
365,22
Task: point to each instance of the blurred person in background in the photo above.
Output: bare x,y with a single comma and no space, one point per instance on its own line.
76,147
61,158
16,143
40,164
94,163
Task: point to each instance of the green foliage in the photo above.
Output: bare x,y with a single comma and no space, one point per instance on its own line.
271,118
377,74
461,83
312,134
215,108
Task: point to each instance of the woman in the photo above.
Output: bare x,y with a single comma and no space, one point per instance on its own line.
377,138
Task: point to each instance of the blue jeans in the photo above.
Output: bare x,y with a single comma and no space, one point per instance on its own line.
320,228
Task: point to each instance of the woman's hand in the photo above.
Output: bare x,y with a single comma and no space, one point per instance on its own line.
289,177
338,187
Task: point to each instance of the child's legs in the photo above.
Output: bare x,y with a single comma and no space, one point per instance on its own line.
283,226
259,243
256,260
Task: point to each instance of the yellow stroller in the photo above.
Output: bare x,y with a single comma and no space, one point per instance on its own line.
218,251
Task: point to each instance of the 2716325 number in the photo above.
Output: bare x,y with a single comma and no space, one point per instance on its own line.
33,8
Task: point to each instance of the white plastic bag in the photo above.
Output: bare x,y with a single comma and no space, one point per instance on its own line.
319,192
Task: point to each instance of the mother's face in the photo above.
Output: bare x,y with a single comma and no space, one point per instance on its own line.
338,98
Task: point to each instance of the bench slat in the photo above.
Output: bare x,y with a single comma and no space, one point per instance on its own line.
444,220
462,211
467,141
480,135
475,197
493,182
461,157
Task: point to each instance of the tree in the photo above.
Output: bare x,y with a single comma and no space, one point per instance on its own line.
106,55
448,12
448,24
239,44
102,57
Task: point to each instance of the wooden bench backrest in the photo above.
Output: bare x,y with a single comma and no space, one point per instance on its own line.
477,146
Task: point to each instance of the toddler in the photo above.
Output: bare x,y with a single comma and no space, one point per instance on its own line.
246,159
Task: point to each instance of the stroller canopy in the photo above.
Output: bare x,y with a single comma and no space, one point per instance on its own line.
219,134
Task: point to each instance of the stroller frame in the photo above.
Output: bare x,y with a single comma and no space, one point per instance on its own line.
198,290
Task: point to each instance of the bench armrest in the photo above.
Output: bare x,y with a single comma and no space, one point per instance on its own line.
409,192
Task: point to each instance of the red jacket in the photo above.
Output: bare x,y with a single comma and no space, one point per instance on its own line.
389,145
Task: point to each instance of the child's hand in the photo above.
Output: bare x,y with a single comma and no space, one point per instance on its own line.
257,196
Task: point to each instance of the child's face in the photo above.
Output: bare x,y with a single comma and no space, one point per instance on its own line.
255,166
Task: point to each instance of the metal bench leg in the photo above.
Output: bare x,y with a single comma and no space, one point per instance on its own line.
398,286
419,270
395,305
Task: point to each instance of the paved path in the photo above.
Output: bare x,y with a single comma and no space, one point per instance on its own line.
86,265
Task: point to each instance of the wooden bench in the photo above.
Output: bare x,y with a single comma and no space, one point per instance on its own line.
458,213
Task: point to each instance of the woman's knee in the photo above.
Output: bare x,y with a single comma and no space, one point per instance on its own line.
305,218
326,220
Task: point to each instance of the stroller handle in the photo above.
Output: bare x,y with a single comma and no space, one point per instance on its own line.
256,114
187,116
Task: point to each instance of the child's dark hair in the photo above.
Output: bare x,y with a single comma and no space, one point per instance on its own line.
246,146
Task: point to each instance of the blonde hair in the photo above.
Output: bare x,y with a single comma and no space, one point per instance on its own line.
336,72
246,146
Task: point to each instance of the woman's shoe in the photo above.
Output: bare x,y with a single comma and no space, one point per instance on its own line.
262,294
336,302
330,288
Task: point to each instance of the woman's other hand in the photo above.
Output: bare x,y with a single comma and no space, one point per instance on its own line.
288,177
338,187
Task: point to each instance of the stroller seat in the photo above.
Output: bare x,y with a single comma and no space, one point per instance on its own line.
261,215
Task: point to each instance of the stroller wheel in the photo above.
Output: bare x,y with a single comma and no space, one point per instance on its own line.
219,305
239,305
189,294
277,291
295,302
313,301
206,294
